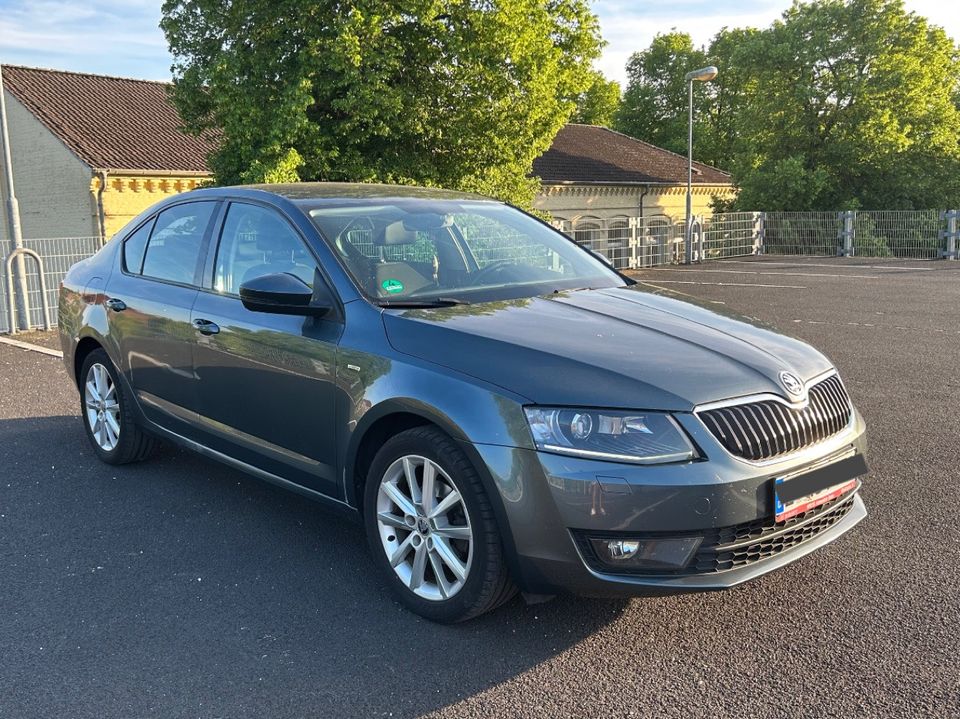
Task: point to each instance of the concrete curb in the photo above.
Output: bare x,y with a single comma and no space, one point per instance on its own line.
31,347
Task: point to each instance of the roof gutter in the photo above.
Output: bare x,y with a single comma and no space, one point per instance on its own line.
157,173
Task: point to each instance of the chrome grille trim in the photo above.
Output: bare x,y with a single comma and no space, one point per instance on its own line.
764,427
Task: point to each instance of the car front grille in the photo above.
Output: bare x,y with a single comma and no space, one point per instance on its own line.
736,546
767,429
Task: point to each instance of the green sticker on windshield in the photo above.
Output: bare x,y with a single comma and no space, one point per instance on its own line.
392,286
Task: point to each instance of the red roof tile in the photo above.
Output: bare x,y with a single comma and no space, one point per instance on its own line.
592,154
111,123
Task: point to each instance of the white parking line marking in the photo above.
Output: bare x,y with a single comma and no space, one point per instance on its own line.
871,325
834,266
756,272
732,284
32,347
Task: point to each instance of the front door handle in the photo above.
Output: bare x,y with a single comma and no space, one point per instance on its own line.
115,304
206,327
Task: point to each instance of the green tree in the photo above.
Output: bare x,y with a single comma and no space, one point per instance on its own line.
456,93
851,103
654,106
840,104
598,104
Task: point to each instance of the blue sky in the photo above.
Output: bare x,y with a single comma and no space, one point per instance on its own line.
121,37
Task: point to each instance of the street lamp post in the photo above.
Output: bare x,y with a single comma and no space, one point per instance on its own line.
704,74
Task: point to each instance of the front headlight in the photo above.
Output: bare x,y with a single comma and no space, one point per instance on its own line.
640,437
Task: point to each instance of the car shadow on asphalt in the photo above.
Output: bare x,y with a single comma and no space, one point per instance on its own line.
182,580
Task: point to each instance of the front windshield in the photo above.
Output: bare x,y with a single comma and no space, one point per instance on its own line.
402,251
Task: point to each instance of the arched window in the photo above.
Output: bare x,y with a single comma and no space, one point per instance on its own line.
618,242
587,232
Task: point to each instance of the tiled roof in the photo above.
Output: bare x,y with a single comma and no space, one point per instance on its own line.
115,123
110,122
592,154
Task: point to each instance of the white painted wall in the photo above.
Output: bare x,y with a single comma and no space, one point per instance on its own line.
52,184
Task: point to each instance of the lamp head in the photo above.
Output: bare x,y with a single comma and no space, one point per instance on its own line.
704,74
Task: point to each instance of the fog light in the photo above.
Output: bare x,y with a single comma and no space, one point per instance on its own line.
645,554
622,548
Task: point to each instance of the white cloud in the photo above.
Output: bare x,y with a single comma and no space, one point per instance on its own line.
114,37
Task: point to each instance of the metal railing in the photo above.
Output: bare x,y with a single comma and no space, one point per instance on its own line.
57,255
627,242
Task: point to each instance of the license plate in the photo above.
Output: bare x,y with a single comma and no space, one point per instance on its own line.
796,494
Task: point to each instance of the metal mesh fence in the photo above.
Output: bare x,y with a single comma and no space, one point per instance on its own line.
801,233
59,254
4,313
893,233
731,234
628,243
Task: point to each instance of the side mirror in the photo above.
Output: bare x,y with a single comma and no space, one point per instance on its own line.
601,256
284,294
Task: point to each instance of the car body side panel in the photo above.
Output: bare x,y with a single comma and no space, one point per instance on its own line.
375,382
82,313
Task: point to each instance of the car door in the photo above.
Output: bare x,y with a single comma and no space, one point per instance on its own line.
266,381
149,303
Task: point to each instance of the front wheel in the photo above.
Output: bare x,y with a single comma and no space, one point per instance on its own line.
431,528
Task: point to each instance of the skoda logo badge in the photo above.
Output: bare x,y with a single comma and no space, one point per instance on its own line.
790,382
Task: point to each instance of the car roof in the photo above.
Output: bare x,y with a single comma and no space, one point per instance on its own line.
301,191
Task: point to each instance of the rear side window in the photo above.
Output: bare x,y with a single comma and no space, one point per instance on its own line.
134,247
176,241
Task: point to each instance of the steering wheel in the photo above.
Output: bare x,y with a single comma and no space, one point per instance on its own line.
492,269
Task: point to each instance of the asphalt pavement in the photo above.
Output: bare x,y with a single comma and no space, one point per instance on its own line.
182,588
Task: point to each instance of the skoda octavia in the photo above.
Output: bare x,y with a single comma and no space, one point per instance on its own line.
501,409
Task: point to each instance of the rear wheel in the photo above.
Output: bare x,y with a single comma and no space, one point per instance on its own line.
431,528
108,414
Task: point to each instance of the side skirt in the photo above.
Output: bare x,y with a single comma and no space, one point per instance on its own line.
338,506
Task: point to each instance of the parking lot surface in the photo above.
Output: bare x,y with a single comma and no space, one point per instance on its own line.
181,588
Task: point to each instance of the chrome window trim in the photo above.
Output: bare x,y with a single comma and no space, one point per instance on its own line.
767,396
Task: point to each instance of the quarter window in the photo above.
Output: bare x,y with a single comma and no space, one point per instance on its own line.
134,247
256,241
176,241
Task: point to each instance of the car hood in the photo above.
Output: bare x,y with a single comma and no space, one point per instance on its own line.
624,347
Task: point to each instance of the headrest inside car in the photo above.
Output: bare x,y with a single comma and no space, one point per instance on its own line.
395,234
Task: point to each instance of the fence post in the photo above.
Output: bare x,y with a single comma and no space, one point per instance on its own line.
759,231
632,223
951,234
845,236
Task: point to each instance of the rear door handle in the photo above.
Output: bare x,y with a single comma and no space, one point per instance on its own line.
115,304
206,327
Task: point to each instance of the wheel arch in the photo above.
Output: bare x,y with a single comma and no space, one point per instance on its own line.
395,416
377,426
84,347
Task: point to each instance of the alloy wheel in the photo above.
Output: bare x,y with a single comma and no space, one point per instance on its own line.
424,527
102,407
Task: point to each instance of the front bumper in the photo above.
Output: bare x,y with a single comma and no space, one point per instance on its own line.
552,503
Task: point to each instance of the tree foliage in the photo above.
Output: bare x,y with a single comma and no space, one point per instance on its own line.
456,93
654,106
598,104
840,104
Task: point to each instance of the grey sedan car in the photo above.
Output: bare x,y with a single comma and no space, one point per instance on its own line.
499,408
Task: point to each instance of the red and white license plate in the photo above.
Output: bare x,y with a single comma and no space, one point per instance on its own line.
800,493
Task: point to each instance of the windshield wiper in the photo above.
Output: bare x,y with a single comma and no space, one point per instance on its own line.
432,302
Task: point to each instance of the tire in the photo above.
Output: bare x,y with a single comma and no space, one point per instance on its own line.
445,597
109,421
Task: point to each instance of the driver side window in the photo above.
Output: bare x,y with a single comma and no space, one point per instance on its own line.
257,241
